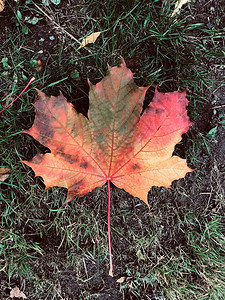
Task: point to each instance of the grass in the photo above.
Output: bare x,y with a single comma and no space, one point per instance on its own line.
176,249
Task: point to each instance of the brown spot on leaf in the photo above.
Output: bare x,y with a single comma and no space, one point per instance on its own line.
44,126
84,165
69,158
159,111
76,185
150,109
135,167
38,159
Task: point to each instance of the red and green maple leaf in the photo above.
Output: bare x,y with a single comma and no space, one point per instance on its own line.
114,144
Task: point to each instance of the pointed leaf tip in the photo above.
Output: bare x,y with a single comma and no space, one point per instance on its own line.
89,82
40,93
123,61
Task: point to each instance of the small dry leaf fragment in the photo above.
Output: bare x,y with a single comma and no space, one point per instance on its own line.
16,293
2,5
140,256
4,173
40,65
178,6
90,39
121,279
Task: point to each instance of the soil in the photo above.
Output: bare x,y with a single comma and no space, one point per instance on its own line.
95,283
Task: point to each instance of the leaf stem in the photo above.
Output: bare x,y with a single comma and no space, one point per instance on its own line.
109,233
32,79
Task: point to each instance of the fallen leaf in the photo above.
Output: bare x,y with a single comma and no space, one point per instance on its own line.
2,5
4,173
115,143
90,39
16,293
121,279
178,6
40,65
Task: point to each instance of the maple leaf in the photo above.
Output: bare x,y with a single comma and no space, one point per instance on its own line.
114,143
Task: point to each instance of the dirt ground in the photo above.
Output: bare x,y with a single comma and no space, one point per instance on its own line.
163,202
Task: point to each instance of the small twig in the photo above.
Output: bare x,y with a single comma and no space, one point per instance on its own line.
58,26
219,106
85,268
32,79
